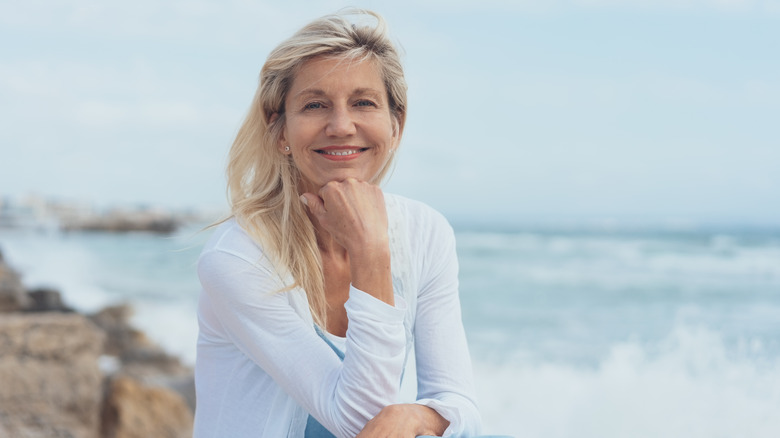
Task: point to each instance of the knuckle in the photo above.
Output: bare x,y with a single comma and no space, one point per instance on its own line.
329,186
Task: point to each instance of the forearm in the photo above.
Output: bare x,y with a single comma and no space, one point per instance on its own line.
370,272
430,422
405,420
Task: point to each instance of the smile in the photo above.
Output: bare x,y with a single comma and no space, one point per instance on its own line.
340,153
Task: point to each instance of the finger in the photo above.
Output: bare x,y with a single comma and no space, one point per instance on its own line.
314,203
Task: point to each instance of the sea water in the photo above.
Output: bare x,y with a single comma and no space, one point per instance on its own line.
586,333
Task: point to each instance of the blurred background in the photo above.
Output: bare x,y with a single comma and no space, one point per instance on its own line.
611,169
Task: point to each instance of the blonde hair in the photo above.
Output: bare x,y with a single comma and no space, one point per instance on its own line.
263,182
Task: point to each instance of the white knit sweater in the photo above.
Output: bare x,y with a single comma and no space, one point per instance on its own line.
261,368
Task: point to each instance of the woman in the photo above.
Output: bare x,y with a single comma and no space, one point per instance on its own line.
318,287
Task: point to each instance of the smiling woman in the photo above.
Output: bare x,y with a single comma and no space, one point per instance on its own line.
318,287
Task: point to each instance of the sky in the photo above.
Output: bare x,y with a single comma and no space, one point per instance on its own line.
528,111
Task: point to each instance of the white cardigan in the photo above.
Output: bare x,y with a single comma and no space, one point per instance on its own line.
261,368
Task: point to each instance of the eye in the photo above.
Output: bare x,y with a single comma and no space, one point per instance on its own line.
365,102
312,105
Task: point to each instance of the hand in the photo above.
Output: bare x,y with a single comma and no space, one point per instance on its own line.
353,213
404,421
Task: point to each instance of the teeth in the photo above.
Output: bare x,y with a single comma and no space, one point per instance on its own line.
347,152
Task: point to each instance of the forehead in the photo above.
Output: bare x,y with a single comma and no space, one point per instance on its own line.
332,75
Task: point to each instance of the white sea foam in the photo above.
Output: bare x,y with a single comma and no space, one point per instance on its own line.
57,262
687,385
91,276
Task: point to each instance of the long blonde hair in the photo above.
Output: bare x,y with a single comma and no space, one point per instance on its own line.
263,182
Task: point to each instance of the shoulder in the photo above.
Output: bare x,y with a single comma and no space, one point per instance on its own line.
427,230
418,215
230,237
230,245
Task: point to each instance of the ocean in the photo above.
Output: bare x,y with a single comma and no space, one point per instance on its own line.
585,332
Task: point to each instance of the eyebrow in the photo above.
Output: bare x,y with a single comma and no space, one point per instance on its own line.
319,92
309,92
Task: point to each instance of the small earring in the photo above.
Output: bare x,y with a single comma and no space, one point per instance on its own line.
287,148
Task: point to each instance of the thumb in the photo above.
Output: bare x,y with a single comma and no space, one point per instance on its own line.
315,204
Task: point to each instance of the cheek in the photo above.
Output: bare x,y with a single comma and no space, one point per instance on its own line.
387,129
295,129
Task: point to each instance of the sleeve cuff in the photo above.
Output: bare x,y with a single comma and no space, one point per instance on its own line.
373,308
450,413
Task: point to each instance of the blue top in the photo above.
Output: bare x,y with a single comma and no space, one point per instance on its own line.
313,427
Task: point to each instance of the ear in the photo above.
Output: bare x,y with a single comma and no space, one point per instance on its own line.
282,138
398,130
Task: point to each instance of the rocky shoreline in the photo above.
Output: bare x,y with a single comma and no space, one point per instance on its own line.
121,222
67,374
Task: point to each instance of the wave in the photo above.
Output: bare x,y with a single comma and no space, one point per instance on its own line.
609,262
688,384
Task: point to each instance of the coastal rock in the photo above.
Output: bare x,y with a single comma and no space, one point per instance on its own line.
13,296
121,337
46,300
141,359
125,221
63,374
139,356
134,410
49,375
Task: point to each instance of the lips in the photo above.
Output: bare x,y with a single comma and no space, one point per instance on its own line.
340,152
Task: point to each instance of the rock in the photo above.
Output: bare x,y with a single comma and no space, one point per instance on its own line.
132,346
139,357
13,296
49,375
179,379
65,375
125,221
121,336
134,410
46,300
185,387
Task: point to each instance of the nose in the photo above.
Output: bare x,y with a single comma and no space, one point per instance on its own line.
340,122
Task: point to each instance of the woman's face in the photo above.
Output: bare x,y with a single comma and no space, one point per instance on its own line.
338,122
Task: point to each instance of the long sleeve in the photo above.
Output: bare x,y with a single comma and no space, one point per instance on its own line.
444,373
247,323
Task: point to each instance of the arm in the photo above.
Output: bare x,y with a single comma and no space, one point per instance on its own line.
405,420
445,387
444,374
353,214
262,324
